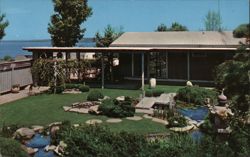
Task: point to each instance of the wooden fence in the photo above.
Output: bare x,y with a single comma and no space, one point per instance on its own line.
13,73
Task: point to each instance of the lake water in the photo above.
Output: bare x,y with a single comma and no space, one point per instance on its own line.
14,48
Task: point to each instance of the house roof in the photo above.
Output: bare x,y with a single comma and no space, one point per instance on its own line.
185,39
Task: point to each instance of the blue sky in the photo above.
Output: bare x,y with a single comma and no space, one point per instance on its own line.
29,18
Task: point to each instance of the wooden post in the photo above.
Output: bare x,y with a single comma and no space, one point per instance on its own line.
167,65
132,65
102,71
188,66
148,69
142,73
78,62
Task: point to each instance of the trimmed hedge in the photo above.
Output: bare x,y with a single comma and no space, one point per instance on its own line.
153,92
117,109
195,95
11,148
84,88
59,89
95,95
72,86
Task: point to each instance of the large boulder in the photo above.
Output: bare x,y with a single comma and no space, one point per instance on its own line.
24,133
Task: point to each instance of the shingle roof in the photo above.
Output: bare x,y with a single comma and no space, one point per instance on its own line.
178,39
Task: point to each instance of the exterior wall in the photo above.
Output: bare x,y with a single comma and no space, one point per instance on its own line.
177,65
202,64
20,75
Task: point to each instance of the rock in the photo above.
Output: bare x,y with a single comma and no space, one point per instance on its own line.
189,84
93,121
50,148
54,129
147,116
30,151
160,121
66,108
135,118
114,120
182,129
38,128
24,133
94,109
120,98
152,83
55,123
76,125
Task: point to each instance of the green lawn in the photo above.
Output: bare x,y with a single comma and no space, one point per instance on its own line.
44,109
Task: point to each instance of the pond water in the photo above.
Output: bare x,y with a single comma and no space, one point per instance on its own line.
197,114
39,141
196,135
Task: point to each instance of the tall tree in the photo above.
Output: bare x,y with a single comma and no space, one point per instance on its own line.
110,34
213,21
65,27
3,25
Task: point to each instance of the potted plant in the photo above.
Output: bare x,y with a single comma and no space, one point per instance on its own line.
15,88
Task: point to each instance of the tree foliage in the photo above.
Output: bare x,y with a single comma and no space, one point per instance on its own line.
3,25
110,34
242,30
65,27
234,76
174,27
213,21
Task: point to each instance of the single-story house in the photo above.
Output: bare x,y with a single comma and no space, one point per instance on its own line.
166,56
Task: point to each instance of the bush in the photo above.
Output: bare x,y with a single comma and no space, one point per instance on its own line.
11,148
95,95
195,94
177,121
8,131
118,109
148,93
72,86
84,88
153,92
242,31
59,89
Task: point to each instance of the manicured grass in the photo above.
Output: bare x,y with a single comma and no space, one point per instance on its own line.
44,109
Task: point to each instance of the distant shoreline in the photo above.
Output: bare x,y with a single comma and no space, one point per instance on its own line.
46,40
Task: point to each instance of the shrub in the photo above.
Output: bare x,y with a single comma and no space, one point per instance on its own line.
157,92
195,94
95,95
153,92
11,148
177,121
118,109
59,89
148,93
8,131
72,86
84,88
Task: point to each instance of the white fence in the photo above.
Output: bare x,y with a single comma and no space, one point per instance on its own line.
10,77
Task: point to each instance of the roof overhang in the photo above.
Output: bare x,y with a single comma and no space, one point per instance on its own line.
120,49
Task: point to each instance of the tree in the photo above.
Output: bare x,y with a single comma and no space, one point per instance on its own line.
3,25
177,27
174,27
110,34
242,30
213,21
65,27
162,28
234,76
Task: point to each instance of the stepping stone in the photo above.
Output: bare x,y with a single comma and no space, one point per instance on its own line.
135,118
147,116
114,120
160,121
93,121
